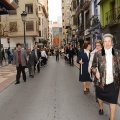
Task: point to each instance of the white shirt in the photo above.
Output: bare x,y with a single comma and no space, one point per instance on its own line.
109,69
87,52
43,54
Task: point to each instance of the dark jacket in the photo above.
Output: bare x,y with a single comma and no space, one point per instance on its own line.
71,52
99,62
38,54
31,57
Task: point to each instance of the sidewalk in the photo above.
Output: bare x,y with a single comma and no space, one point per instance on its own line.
7,76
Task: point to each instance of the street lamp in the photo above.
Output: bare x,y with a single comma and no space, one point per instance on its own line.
23,16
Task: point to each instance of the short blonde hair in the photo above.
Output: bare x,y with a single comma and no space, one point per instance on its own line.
99,41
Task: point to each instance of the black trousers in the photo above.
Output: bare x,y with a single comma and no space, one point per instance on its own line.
57,57
44,61
71,60
20,69
38,66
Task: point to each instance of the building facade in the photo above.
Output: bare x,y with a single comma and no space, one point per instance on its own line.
66,34
14,25
5,7
110,19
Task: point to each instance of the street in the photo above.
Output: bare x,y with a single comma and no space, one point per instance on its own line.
53,94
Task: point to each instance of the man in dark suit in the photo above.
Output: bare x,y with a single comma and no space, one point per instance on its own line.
19,60
71,54
37,58
30,62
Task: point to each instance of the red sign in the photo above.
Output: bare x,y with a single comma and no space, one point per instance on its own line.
8,40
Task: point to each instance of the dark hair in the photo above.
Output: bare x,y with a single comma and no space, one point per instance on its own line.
86,43
18,44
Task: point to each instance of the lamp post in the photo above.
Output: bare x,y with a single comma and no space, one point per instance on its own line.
23,16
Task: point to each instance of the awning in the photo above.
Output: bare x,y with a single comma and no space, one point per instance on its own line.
5,6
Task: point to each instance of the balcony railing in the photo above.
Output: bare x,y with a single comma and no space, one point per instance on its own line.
112,16
79,9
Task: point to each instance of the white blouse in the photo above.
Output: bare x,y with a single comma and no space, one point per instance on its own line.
109,69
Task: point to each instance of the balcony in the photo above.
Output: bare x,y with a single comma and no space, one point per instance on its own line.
79,9
112,16
67,25
86,4
13,3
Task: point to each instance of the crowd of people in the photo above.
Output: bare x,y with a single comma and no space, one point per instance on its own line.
32,59
100,66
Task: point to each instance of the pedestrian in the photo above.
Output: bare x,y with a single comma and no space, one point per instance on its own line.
19,60
57,54
106,68
98,47
37,58
9,55
30,62
44,57
3,55
83,60
71,55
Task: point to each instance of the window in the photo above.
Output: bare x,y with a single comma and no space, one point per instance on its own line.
95,8
13,26
39,21
39,8
29,8
29,26
74,20
74,4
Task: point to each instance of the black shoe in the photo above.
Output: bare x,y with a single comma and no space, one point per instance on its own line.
101,112
24,80
32,76
38,71
17,83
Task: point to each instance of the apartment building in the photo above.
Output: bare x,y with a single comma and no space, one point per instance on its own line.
66,32
14,28
43,20
46,18
110,19
5,6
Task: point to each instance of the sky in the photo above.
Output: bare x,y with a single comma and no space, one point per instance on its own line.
54,9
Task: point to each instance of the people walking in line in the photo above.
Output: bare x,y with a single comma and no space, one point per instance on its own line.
71,55
37,58
98,47
57,54
19,60
83,60
106,68
30,62
44,57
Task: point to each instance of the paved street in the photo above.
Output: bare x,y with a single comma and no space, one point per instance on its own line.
53,94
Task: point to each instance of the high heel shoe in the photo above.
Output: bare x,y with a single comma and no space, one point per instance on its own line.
101,112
